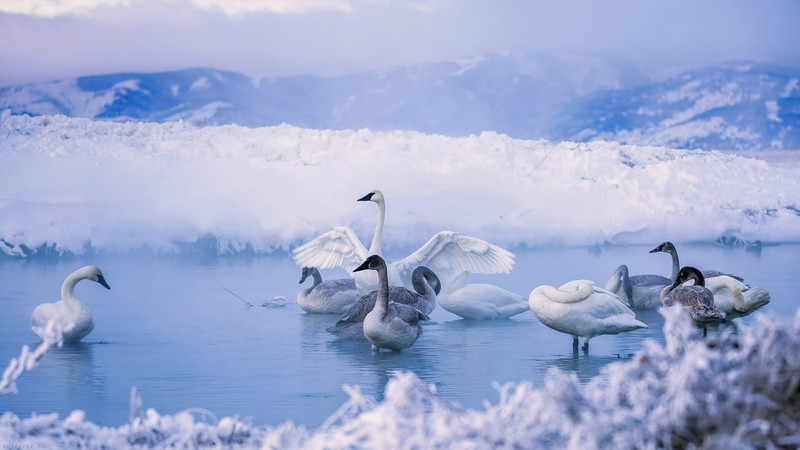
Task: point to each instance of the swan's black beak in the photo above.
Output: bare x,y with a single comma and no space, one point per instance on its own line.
102,281
657,249
363,266
366,198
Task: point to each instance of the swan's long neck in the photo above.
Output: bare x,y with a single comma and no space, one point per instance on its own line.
68,290
375,247
317,278
676,266
382,301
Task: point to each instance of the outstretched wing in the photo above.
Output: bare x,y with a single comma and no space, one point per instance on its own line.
450,254
339,247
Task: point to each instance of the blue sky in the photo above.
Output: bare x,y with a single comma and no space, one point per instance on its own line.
53,39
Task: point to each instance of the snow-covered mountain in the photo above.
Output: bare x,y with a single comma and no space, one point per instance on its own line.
524,95
730,106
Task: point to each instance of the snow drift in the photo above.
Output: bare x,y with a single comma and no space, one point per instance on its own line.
76,185
741,390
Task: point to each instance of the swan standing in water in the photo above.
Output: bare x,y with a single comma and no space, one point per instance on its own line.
389,325
426,286
447,253
69,314
326,297
581,309
697,301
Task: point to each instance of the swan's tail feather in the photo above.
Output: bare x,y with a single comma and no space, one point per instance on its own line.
754,298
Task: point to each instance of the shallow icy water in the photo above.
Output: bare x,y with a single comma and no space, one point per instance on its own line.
169,329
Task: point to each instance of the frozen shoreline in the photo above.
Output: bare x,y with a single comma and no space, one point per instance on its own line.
76,186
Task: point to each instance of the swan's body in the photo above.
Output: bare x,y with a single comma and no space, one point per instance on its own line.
447,253
69,314
581,309
697,301
326,297
482,301
641,291
389,325
426,287
734,298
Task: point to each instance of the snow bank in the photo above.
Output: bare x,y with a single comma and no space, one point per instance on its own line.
738,391
74,185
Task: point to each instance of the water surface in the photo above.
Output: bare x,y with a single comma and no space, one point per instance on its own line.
169,329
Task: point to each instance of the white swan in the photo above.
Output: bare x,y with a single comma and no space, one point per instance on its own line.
389,325
423,298
581,309
69,314
326,297
479,301
447,253
734,298
697,301
669,248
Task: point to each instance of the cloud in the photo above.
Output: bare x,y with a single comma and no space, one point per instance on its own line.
54,8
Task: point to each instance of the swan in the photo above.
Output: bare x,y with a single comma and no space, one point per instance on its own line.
390,325
423,298
641,291
69,314
581,309
669,248
447,253
326,297
482,301
697,300
734,298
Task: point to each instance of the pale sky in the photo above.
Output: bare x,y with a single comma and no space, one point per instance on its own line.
44,40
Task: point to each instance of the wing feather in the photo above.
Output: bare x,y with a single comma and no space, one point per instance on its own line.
339,247
450,254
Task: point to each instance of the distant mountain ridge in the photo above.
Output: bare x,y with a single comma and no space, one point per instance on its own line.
525,95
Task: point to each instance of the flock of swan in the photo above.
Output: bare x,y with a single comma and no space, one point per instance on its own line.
386,303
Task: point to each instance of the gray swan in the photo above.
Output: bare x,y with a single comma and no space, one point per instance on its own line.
326,297
696,300
423,298
390,325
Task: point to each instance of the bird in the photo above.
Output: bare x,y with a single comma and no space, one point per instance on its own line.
734,298
423,298
582,310
669,248
447,253
326,297
390,325
71,316
479,301
697,300
641,291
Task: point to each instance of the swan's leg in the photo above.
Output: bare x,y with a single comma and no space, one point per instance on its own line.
575,343
585,347
705,330
375,348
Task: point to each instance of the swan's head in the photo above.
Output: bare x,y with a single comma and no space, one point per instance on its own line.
665,247
306,274
374,196
93,273
374,262
689,273
429,276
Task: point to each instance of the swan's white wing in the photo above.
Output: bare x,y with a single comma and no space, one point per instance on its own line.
339,247
449,254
